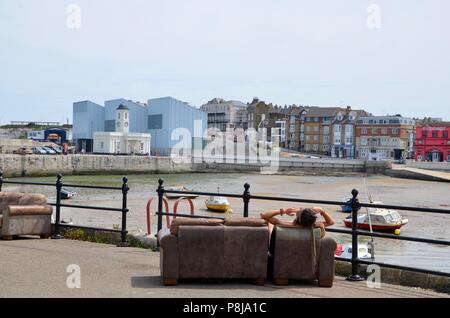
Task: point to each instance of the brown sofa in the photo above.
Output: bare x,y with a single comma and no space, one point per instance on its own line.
199,248
24,214
293,259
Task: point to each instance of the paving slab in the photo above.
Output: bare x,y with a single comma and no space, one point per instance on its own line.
39,268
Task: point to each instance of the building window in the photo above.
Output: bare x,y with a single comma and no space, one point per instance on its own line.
326,130
395,131
316,129
316,147
364,131
374,131
102,145
126,116
445,134
308,128
384,131
424,134
316,138
337,129
434,134
307,138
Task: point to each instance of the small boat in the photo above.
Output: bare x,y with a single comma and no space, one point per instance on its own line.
67,194
179,195
347,208
380,220
218,204
345,251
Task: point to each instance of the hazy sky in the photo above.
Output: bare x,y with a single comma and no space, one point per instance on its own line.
325,53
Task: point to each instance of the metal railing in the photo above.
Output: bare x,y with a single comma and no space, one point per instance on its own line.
354,232
58,205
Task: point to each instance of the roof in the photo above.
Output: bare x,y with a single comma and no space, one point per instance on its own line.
322,111
434,124
121,106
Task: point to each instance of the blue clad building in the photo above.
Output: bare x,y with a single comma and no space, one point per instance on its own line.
88,117
163,118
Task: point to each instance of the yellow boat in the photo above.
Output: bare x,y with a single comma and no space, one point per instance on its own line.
218,204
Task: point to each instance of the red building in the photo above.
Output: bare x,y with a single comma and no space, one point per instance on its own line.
432,142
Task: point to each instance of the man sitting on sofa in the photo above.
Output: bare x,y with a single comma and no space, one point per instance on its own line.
304,218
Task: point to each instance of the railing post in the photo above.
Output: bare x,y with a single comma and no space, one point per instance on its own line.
124,232
1,180
355,206
160,192
59,186
246,197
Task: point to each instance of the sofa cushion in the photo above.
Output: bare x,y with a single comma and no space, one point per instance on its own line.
177,222
253,222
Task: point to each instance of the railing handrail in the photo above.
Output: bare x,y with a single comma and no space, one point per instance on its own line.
325,202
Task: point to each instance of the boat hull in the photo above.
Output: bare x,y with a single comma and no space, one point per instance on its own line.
218,208
179,196
375,227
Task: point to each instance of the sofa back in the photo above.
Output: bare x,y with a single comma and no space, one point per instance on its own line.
21,199
297,254
222,251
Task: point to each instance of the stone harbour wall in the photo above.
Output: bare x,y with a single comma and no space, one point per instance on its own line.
47,165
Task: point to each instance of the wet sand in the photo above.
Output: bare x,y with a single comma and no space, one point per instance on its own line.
386,189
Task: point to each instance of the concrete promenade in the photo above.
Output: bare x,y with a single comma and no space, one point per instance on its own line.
418,174
37,268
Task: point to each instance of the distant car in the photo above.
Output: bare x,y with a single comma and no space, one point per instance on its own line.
39,151
23,151
49,151
55,149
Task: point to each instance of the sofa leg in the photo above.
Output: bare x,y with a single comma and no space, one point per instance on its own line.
259,281
281,281
45,236
326,282
7,237
170,281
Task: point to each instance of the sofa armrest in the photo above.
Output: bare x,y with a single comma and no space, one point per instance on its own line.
326,263
169,261
17,210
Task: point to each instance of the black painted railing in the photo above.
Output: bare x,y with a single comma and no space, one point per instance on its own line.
354,232
59,185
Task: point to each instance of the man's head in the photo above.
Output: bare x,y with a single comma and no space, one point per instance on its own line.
306,217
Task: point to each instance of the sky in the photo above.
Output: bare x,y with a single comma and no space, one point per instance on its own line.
387,57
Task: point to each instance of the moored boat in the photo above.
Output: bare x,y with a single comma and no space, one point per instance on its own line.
218,204
67,193
179,195
345,251
379,220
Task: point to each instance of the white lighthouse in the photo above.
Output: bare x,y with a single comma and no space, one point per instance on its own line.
123,119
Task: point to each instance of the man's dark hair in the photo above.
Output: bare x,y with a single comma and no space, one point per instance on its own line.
306,217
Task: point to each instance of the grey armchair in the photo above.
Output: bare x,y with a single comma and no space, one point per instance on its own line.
24,214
